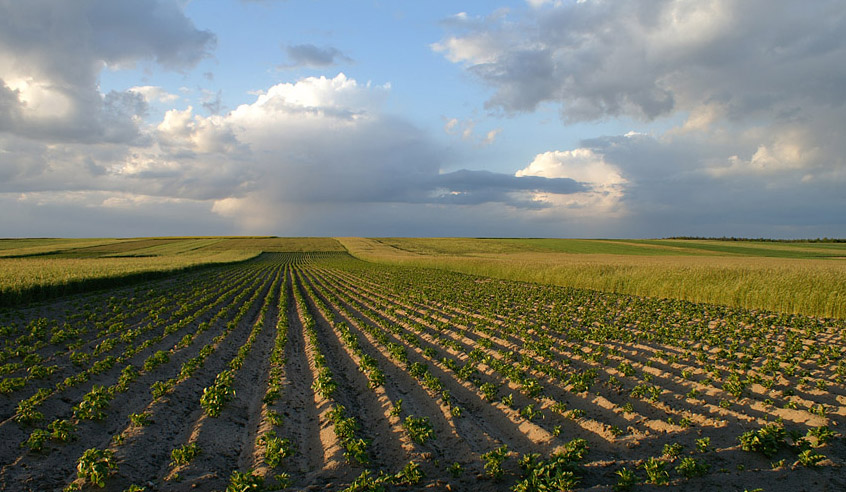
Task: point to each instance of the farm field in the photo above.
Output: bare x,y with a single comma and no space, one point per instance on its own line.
798,277
36,269
314,369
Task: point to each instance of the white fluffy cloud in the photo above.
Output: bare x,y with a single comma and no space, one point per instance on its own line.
605,183
52,52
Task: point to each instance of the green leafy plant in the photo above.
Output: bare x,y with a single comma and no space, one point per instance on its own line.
396,409
494,460
411,474
218,394
142,419
559,472
184,454
160,388
93,404
275,417
823,434
36,440
61,430
530,413
809,458
766,440
155,360
490,390
419,429
626,479
673,450
324,385
275,448
689,468
656,472
455,469
95,465
244,482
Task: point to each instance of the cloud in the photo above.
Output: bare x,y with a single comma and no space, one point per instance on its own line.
603,189
490,137
153,93
671,188
308,148
465,129
758,89
647,59
212,101
311,56
84,213
52,52
466,187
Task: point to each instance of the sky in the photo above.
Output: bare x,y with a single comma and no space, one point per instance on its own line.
541,118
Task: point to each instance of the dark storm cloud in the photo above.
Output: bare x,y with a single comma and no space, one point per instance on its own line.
467,187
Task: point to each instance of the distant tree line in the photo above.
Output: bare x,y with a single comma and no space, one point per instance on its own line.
761,239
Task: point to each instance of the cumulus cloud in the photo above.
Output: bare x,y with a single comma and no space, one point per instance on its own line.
328,140
52,52
317,144
647,59
758,87
311,56
604,184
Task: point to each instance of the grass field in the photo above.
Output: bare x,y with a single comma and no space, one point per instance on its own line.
807,278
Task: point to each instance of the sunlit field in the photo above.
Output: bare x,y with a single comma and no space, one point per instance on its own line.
807,278
283,364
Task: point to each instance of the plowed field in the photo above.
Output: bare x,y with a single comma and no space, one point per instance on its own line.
318,371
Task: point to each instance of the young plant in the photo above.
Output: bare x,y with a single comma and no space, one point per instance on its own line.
274,418
275,448
767,440
95,465
411,474
656,472
455,469
140,419
626,479
673,450
36,440
244,481
419,429
689,468
61,430
184,454
493,462
808,458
